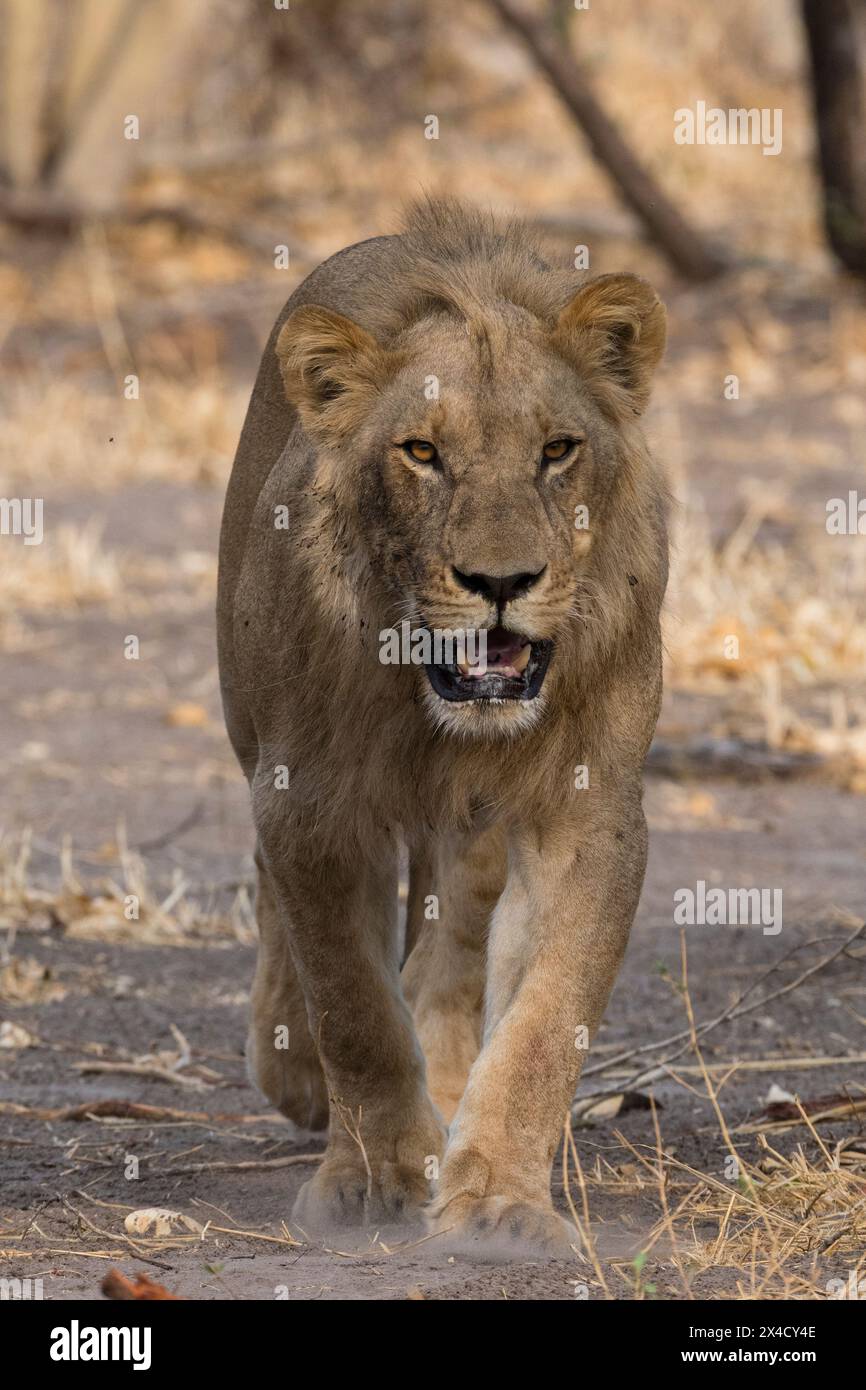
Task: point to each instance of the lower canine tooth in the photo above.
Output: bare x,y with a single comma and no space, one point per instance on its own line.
521,661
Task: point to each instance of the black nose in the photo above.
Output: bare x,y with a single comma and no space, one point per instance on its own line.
499,588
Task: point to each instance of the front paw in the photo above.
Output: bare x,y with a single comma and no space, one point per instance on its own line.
501,1228
379,1180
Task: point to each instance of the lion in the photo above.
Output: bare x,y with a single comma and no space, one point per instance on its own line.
445,432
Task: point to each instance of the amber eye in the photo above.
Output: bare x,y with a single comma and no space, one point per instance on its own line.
557,449
421,450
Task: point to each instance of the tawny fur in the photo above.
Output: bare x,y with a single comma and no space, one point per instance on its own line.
485,797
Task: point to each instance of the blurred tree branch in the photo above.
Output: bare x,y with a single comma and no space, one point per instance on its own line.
835,41
60,215
685,247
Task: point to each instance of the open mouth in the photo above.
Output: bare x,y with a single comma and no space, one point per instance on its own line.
514,669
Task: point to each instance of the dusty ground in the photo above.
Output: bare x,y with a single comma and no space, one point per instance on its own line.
65,1189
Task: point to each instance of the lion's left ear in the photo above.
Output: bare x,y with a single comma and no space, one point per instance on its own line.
331,368
614,330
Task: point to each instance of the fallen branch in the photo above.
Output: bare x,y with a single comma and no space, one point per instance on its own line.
61,216
133,1110
803,1113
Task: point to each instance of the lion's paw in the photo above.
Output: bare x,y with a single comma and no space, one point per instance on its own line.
343,1194
502,1228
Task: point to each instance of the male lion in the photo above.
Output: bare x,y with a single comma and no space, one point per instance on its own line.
443,430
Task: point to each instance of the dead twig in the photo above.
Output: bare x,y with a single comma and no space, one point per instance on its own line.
682,1041
244,1165
151,1071
168,836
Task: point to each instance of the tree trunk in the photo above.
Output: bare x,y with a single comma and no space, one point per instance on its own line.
684,246
837,91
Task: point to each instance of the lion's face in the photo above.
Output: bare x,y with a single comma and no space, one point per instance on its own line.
480,491
477,459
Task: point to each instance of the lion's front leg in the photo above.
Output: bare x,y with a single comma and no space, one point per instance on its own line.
557,939
340,917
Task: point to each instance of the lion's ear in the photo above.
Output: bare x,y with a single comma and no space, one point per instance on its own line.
614,330
329,365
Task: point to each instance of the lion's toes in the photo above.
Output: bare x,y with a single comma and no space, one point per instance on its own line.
502,1228
343,1194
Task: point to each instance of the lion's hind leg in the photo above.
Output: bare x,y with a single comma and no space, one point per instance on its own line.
444,976
281,1055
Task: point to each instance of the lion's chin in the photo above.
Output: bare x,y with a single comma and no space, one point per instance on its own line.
489,719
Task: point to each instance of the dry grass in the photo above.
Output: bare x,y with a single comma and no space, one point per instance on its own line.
60,434
75,569
777,1226
782,1229
776,633
783,604
70,568
122,908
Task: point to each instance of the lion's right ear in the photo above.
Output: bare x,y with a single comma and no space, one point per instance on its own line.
614,330
330,367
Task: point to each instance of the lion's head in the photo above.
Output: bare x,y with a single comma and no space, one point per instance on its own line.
474,435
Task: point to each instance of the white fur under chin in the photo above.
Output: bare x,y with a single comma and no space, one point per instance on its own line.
483,719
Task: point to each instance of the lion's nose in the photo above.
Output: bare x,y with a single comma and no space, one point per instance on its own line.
499,588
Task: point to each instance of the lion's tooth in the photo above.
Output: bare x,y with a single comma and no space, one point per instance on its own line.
521,661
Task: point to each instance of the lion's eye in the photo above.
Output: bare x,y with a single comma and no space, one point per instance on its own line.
421,450
557,449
